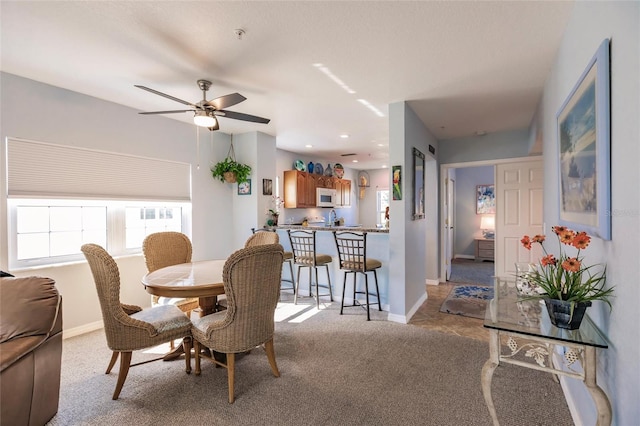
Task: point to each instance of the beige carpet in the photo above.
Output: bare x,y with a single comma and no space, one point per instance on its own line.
336,370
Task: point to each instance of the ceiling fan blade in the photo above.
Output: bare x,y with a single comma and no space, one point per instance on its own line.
241,116
165,95
226,101
167,112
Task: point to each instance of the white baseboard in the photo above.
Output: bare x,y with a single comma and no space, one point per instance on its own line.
432,282
86,328
404,319
464,256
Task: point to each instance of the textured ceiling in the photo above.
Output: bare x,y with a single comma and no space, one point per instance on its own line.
462,66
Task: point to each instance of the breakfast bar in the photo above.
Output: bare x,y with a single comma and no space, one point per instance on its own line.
377,248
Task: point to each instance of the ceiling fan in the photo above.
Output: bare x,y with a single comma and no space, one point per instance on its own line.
206,112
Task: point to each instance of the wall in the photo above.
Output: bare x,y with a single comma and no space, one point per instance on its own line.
411,264
467,222
492,146
379,180
590,24
74,119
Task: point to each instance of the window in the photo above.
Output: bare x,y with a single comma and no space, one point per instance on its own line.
81,195
382,197
47,232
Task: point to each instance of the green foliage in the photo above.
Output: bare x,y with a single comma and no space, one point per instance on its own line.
242,171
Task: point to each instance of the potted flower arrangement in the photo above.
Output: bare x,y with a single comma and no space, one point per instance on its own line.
229,170
274,212
568,286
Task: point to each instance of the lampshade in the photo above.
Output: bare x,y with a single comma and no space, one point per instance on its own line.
203,119
488,222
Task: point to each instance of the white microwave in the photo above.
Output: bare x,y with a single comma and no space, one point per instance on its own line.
326,197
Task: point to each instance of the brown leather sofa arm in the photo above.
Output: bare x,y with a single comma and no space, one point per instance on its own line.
30,350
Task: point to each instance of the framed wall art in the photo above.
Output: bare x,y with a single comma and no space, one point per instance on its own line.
267,187
583,125
485,199
418,184
396,176
244,188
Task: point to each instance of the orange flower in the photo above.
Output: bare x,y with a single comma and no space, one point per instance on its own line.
526,242
581,240
572,264
538,239
558,229
566,236
548,260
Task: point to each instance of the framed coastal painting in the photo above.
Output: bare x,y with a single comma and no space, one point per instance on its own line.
485,199
583,125
244,188
418,184
396,176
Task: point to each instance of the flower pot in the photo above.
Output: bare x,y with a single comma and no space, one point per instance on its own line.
561,315
230,177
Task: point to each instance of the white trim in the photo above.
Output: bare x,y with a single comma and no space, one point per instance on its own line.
404,319
464,256
83,329
432,282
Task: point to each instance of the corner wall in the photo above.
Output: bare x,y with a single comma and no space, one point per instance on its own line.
589,25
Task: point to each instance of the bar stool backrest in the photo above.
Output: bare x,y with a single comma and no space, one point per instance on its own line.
303,245
352,250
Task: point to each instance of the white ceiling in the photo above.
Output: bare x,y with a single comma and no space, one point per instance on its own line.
462,66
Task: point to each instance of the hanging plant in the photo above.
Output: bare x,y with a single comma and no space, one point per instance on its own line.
229,170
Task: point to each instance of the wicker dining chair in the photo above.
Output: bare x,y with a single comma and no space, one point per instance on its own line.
288,256
251,279
166,249
261,238
130,328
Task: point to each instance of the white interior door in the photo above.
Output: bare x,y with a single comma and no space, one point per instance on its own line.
519,212
450,203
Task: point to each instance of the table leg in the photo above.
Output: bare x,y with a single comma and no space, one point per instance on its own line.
487,373
207,305
175,353
599,397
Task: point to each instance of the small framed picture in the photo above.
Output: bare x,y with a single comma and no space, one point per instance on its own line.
485,199
267,187
244,188
396,175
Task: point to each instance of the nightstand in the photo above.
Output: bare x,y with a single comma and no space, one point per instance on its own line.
485,249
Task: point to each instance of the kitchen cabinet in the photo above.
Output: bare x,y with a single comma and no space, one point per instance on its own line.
343,192
325,182
299,189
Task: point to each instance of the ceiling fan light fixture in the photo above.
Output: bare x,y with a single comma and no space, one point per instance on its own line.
203,119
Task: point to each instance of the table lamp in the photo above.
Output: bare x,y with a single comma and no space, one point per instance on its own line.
488,226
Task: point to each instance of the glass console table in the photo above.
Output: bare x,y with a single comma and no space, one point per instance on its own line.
531,340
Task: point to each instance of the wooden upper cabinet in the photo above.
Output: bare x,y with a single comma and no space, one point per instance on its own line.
299,189
343,189
325,182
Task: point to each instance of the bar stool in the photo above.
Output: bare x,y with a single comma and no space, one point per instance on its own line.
352,255
303,244
288,258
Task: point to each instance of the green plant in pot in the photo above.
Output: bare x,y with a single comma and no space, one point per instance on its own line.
568,286
229,170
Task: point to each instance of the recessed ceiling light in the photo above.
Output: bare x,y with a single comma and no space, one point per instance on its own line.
380,144
344,136
354,161
384,166
480,132
308,146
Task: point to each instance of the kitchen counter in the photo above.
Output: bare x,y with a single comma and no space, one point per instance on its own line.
333,228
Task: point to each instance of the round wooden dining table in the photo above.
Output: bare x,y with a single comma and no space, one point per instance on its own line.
201,279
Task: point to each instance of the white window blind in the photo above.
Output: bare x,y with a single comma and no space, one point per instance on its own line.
44,170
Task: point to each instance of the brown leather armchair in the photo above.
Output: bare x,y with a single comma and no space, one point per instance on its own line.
30,350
